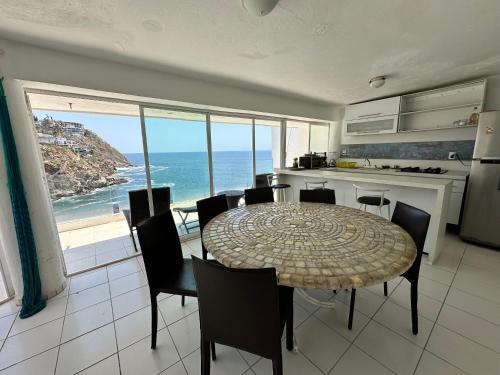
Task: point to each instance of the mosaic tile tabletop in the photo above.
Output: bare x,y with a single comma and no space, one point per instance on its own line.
311,245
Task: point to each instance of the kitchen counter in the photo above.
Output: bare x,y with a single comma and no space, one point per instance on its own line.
430,193
377,176
449,175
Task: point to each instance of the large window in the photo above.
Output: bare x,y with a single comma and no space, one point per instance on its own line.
93,156
178,158
320,135
303,138
231,153
267,145
178,154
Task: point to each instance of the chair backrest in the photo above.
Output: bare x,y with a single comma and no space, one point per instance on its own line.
318,196
209,208
262,180
139,203
259,195
373,192
415,222
239,307
161,247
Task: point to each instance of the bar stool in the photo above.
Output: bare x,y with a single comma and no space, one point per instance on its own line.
272,180
376,200
315,184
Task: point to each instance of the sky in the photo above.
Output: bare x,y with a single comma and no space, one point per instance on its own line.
124,133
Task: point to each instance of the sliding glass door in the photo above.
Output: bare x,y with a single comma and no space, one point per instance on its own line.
267,145
319,138
303,138
296,140
232,153
178,157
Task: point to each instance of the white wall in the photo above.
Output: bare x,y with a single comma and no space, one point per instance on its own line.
31,63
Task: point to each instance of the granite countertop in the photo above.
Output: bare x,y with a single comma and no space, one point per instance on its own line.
449,175
395,178
311,245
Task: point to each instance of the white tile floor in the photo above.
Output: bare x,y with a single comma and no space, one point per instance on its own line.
88,247
99,244
101,325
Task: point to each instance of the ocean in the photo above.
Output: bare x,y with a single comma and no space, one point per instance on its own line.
185,172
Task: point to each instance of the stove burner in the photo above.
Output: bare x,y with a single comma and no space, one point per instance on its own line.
429,170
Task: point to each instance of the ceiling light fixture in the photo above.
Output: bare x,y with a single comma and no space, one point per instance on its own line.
259,7
377,82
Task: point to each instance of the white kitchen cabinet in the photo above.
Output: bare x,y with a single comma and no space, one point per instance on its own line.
372,125
441,108
375,117
375,108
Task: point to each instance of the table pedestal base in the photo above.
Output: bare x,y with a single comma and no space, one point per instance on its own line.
315,301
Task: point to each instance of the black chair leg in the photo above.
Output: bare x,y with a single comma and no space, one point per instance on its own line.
278,366
154,320
183,300
133,239
205,357
351,308
385,288
414,310
212,349
289,321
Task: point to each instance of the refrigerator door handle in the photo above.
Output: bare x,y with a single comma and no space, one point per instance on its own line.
490,161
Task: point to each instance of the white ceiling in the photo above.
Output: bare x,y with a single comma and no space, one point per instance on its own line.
325,50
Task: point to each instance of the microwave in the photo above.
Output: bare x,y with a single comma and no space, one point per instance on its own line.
311,161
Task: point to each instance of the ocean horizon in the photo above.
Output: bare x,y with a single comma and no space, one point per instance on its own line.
185,172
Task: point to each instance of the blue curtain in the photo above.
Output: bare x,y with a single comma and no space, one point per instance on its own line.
32,289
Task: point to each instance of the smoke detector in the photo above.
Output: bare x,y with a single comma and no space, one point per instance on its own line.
259,8
377,82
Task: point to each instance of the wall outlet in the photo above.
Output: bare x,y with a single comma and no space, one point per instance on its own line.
452,155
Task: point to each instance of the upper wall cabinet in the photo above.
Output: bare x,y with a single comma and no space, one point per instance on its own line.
375,117
444,108
376,108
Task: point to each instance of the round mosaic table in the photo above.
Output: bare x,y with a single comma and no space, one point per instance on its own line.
311,245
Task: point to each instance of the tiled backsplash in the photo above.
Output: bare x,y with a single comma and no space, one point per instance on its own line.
409,150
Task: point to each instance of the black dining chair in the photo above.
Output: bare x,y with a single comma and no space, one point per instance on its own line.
271,179
166,269
139,206
244,309
416,223
209,208
318,196
259,195
262,180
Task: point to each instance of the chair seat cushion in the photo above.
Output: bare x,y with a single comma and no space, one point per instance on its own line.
177,280
372,200
281,186
188,210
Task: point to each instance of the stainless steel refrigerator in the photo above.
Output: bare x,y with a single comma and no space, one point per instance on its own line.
481,215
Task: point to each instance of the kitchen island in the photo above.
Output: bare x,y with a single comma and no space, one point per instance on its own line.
427,193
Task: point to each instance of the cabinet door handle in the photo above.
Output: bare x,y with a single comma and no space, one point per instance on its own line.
371,114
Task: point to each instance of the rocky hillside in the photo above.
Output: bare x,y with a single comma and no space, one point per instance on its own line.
86,164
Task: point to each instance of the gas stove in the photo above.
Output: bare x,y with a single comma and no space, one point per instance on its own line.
429,170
